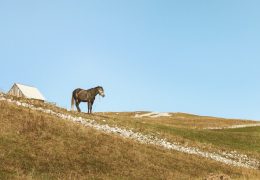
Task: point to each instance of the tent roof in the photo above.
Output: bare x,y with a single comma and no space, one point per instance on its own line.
30,92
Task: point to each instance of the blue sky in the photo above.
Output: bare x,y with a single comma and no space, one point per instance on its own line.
199,57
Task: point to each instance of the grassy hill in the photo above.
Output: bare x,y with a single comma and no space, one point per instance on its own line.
35,145
192,130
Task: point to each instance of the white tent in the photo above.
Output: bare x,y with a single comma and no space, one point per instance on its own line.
29,92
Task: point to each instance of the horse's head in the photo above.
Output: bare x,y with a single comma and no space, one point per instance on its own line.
101,91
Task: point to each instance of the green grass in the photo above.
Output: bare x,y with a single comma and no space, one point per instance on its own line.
244,139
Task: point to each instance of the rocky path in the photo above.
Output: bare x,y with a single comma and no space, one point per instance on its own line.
230,158
234,126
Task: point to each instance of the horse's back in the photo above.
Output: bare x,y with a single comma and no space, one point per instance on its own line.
76,91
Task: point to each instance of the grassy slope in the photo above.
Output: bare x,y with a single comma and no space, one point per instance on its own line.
35,145
180,128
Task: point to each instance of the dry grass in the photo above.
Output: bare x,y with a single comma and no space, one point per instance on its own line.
186,129
37,146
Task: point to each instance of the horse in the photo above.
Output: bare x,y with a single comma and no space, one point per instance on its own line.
81,95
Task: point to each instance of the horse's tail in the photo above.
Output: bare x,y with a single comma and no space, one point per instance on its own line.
72,102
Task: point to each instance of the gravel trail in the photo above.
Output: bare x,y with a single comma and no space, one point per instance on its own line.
234,126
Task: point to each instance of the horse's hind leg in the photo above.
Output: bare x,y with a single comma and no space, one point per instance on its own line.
91,105
77,105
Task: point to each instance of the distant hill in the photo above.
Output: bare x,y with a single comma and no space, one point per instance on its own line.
38,145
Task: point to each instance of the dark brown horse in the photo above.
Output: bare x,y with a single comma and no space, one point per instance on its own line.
81,95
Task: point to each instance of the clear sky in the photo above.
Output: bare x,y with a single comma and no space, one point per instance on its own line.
200,57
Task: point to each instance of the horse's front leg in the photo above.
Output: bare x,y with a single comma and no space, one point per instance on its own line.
89,105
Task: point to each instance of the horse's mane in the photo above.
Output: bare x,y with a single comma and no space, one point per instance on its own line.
94,88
